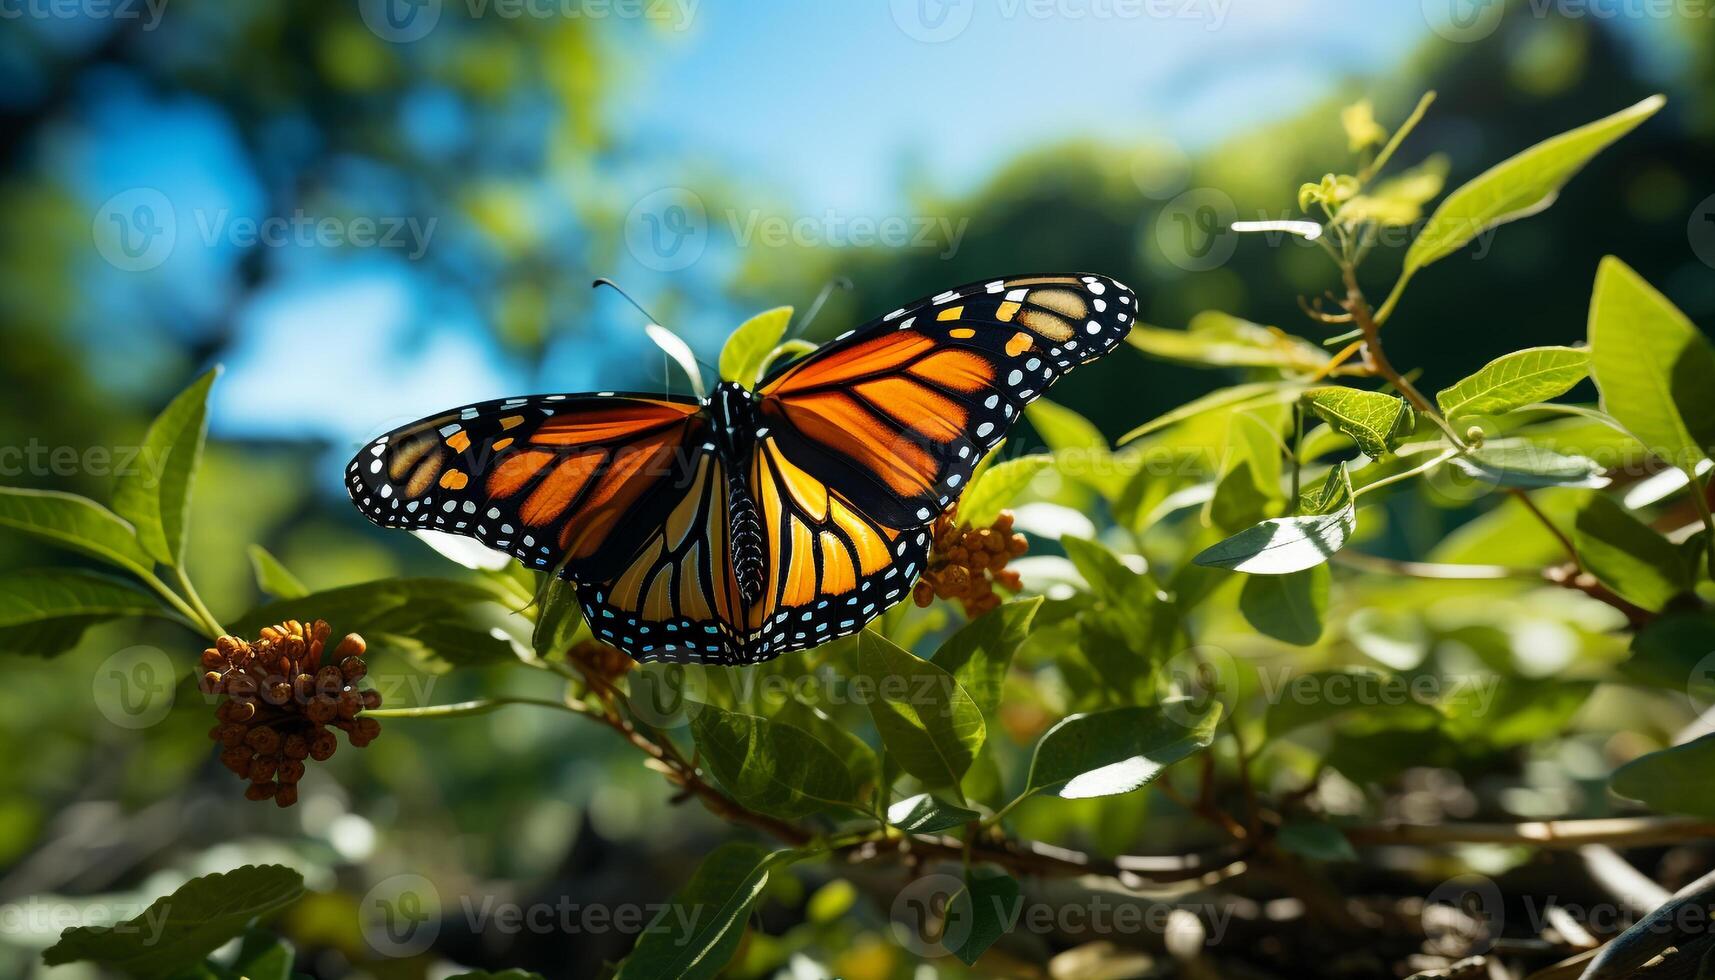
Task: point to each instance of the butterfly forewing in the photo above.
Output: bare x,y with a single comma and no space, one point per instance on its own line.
897,413
548,479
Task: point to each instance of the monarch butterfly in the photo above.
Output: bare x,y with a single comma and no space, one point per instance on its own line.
749,524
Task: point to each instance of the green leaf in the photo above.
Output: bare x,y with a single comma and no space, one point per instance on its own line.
1217,339
48,638
1316,841
926,814
1287,607
502,975
930,725
1652,366
44,611
1062,429
858,758
155,496
1517,187
990,491
993,896
1248,488
771,767
784,354
980,653
745,351
1117,751
1399,200
558,620
1523,464
1375,421
1668,653
1109,578
177,931
700,931
77,523
439,622
1535,374
1291,544
263,956
1385,700
272,577
1627,555
1515,711
1334,493
1362,130
1673,780
1231,398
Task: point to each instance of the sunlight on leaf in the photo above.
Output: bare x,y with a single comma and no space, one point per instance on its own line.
748,348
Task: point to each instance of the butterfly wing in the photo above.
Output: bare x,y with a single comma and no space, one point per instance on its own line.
828,570
896,414
830,567
557,481
677,598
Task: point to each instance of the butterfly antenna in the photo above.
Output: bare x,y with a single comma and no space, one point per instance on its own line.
838,282
655,325
609,283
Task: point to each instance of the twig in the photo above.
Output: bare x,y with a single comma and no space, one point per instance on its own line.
1376,357
1434,570
1559,535
1555,834
1026,857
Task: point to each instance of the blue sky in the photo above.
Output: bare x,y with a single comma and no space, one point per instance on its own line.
827,101
819,105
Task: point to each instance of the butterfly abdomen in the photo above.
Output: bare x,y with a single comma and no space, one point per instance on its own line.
746,539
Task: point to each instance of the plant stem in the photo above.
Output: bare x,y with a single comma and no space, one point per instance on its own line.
1430,570
203,613
1297,452
195,619
460,709
1700,493
1376,357
1399,136
1417,470
1559,535
1618,831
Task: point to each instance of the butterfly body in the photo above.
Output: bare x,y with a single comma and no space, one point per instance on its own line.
735,528
732,410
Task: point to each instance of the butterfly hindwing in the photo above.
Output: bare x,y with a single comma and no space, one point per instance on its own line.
828,570
831,568
896,414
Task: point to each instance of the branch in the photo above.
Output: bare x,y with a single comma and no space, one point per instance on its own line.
1024,857
1554,834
